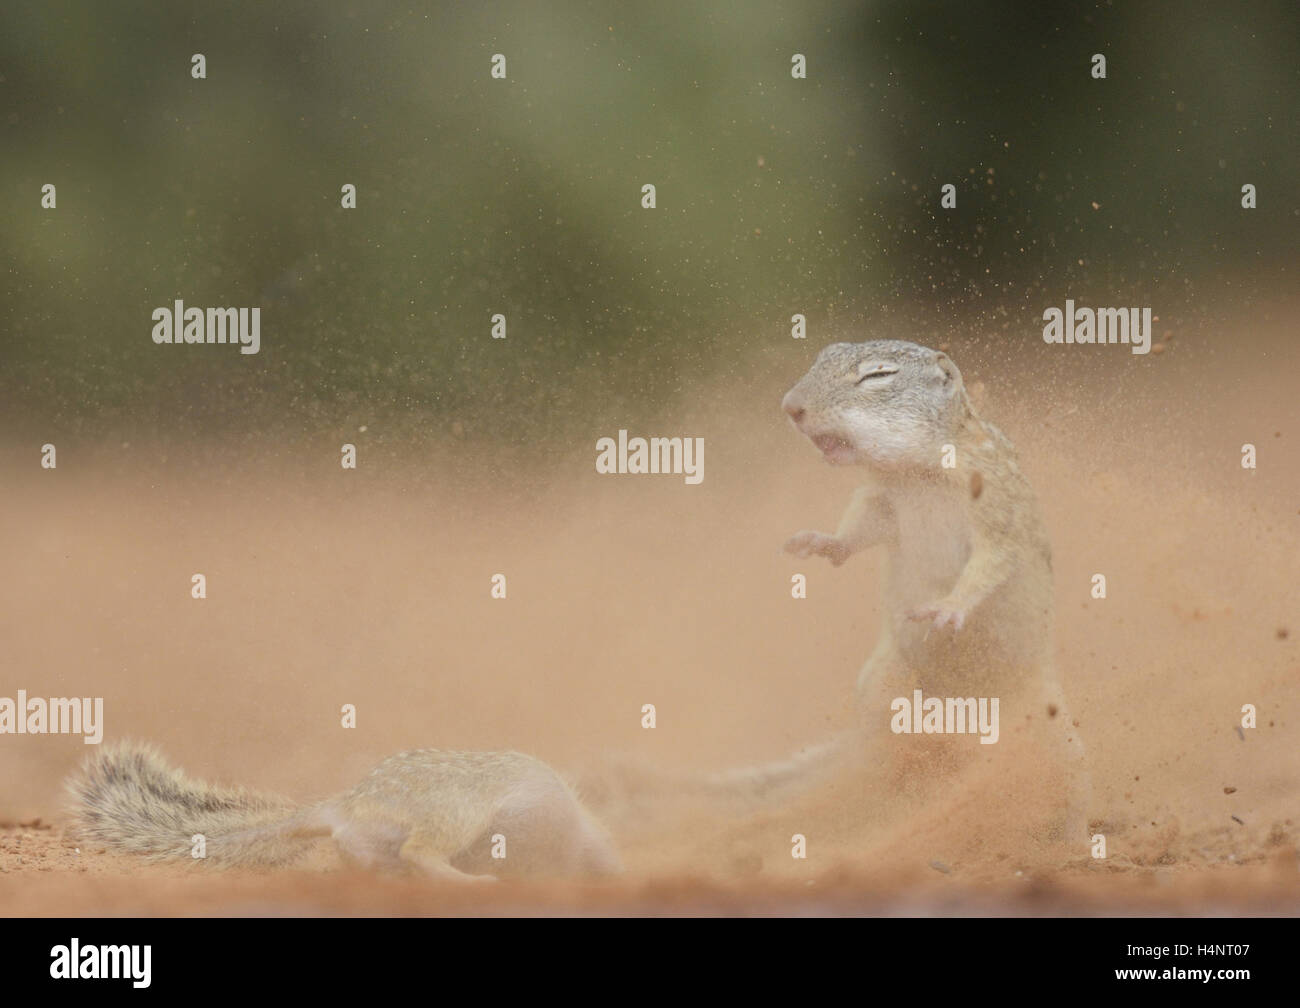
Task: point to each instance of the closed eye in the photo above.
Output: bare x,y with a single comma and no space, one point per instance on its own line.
880,372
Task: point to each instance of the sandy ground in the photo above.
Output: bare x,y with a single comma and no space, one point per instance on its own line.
372,588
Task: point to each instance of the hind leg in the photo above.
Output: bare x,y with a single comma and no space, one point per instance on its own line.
541,830
895,764
882,678
379,844
421,851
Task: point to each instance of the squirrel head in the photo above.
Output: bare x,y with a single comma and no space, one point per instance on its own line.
885,403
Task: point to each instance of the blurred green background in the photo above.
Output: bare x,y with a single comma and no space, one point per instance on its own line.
522,196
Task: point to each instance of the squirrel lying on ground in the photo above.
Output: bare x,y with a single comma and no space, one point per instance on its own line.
444,813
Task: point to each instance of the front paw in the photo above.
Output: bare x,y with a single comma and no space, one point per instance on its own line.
944,613
806,544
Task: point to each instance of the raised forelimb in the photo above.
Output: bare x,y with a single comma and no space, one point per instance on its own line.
868,521
991,564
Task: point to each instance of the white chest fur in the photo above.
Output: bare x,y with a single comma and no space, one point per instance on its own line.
933,543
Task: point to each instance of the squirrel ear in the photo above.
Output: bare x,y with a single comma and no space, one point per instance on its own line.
948,371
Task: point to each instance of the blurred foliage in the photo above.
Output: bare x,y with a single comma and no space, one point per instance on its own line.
522,196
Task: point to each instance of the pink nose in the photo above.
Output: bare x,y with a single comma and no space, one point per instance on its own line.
791,406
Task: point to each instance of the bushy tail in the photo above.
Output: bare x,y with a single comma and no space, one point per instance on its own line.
127,797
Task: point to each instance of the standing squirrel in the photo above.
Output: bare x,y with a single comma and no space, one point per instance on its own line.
968,592
439,812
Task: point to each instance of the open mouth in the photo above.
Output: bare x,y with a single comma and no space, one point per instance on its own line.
830,444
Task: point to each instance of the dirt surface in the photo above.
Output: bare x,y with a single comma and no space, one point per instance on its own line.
328,587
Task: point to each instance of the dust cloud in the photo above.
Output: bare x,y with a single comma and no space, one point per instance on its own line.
372,588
